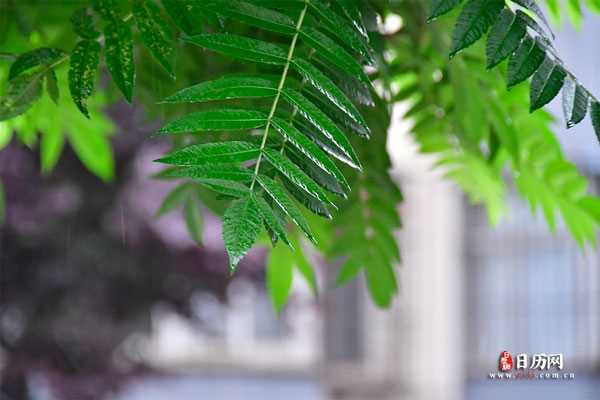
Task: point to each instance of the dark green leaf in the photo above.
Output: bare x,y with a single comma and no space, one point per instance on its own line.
182,16
227,87
119,57
504,38
241,225
353,10
52,86
83,24
323,178
525,61
441,7
34,58
279,276
595,114
546,83
82,72
253,15
211,172
532,23
322,122
295,174
473,22
532,6
216,120
575,102
155,33
333,52
108,9
20,95
325,86
241,47
226,188
271,219
280,197
309,149
213,153
310,202
339,27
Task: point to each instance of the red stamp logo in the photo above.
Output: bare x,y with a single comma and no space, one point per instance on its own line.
506,362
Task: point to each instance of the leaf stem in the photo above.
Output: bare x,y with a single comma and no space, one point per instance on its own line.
278,95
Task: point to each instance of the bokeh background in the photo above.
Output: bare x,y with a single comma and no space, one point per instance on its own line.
102,300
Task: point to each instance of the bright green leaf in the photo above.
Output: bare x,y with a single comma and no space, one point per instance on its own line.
213,153
279,276
227,87
241,225
241,47
216,120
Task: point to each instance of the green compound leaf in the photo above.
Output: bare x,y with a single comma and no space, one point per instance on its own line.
210,173
155,33
283,201
329,89
532,6
241,225
310,150
295,175
504,38
253,15
241,47
35,58
272,220
333,52
20,95
227,87
216,120
323,123
119,57
525,61
441,7
213,153
546,83
574,102
473,22
83,24
338,27
82,72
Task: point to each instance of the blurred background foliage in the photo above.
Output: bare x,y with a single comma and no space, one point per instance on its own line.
481,134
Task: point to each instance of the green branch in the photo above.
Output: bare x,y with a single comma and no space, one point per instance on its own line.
278,95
